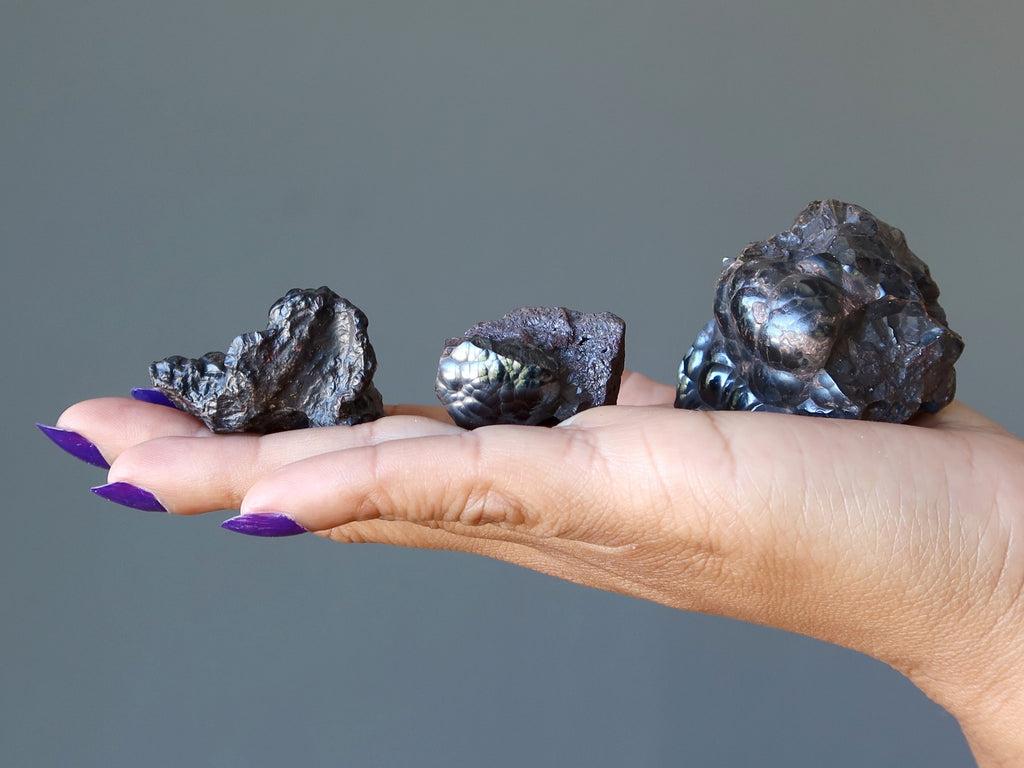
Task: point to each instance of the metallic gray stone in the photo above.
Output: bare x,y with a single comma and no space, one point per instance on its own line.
534,366
312,367
833,317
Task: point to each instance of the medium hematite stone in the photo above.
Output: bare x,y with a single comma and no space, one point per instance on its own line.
312,367
534,366
833,317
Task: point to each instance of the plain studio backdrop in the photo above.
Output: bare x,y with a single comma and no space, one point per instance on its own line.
168,170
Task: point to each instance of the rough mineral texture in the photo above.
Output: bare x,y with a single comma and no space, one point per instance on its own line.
312,367
833,317
536,365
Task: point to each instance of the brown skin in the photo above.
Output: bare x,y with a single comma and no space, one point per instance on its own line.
904,542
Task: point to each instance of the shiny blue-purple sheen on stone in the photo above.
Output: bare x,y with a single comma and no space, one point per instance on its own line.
835,317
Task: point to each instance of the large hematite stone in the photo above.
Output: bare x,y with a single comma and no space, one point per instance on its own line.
833,317
535,366
312,367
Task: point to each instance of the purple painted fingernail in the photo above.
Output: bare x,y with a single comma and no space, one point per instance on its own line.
154,396
75,444
264,524
130,496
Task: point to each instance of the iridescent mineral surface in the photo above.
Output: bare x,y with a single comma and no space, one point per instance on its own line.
312,367
833,317
536,365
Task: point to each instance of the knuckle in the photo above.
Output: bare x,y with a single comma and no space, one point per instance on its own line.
475,499
486,505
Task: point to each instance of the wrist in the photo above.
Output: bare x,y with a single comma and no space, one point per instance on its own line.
984,691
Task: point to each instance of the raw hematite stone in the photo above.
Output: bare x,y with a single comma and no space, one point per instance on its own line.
833,317
312,367
535,366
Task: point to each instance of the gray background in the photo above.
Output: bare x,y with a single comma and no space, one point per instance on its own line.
167,170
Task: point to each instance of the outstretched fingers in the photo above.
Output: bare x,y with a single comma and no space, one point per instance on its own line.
163,459
181,468
98,431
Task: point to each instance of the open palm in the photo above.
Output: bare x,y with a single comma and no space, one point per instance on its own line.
905,542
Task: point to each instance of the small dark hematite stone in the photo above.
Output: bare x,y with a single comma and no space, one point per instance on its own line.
833,317
312,367
534,366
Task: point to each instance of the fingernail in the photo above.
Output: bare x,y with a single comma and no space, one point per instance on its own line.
154,396
75,444
130,496
264,524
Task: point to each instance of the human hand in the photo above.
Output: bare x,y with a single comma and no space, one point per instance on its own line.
904,542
